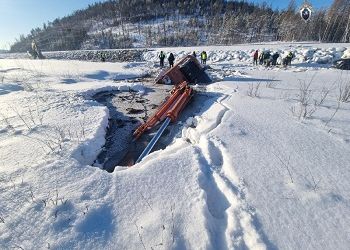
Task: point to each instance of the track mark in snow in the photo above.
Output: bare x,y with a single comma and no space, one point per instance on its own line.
217,122
206,124
215,157
232,222
217,204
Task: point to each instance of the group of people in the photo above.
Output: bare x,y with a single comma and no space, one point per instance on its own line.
263,58
268,59
171,58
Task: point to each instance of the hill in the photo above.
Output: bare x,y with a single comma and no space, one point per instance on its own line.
143,23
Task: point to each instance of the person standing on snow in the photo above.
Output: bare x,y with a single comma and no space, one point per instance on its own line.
161,58
267,58
35,52
171,60
204,57
255,57
288,59
275,56
194,54
261,57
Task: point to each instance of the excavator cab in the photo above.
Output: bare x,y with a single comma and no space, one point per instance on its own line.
187,69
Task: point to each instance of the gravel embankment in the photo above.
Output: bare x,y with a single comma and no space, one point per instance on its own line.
127,55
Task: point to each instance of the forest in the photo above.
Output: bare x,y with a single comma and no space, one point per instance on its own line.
116,24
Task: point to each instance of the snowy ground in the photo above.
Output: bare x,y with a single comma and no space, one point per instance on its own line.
246,172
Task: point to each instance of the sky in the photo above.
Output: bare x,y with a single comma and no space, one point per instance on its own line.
281,4
20,16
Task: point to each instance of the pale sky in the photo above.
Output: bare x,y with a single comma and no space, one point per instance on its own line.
20,16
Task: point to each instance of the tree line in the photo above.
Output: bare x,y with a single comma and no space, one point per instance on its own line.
152,23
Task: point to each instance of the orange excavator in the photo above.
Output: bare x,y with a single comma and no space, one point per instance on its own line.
186,71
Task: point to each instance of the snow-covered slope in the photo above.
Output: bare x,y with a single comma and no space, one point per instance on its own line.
244,173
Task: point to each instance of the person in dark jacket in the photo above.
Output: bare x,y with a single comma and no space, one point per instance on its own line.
288,59
275,56
255,57
267,58
161,59
290,56
171,60
194,54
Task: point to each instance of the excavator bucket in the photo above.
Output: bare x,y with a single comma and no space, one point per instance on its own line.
188,69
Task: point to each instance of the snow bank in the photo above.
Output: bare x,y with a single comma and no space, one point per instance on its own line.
346,53
120,86
302,54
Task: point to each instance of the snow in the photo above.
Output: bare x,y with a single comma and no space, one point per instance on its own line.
304,53
346,53
244,172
